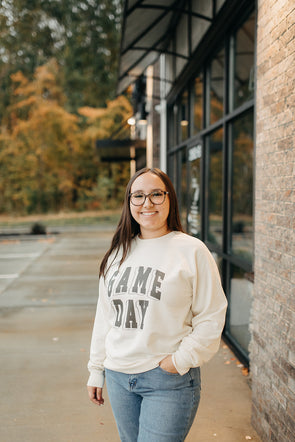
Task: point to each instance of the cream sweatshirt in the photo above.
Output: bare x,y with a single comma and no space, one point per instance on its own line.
165,299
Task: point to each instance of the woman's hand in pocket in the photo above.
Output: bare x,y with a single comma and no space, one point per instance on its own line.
167,365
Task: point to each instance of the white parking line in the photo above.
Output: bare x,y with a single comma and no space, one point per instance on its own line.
19,255
10,276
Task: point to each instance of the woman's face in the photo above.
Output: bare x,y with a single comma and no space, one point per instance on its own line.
152,218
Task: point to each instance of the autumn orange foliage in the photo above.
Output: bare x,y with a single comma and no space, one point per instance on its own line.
47,155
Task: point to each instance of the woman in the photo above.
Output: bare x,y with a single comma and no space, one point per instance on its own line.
160,315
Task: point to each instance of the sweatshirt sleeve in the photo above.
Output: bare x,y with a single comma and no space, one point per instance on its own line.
208,315
97,348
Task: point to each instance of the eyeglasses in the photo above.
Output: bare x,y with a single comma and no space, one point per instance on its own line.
155,197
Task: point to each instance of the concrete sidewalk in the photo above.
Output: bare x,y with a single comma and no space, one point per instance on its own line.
48,294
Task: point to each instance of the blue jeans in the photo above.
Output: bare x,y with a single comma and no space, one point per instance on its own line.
154,406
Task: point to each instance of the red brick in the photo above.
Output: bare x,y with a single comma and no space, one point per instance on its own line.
274,302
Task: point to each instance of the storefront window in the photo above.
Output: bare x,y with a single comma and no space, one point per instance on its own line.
183,199
172,126
198,103
213,166
215,188
172,169
194,161
184,117
241,289
242,187
217,87
244,62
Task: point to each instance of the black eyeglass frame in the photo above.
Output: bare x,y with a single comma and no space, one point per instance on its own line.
148,196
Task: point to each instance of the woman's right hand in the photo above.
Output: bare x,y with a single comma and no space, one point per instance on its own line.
95,395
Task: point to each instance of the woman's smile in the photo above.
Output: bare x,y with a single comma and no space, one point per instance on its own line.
152,218
148,213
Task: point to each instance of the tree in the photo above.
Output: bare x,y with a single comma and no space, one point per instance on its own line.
56,57
48,156
39,147
82,36
107,121
102,123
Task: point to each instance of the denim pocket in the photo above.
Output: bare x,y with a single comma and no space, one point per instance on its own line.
195,376
168,372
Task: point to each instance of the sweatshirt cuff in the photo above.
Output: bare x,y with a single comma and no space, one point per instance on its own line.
96,379
181,370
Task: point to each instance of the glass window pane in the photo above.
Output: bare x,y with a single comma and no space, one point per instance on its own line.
217,87
172,169
244,62
241,292
183,209
194,158
184,117
242,187
198,104
215,188
171,127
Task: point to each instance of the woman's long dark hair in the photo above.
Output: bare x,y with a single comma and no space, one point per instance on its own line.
128,228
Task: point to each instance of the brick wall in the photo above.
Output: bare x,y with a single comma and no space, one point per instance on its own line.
273,316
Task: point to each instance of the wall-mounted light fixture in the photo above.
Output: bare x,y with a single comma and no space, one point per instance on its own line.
131,121
183,121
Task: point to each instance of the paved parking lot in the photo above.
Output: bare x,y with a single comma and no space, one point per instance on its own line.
48,294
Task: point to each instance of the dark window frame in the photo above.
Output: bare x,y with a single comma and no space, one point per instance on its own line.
226,122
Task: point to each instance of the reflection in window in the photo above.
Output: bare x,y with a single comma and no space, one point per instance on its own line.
217,87
172,126
240,305
194,158
242,187
215,188
183,199
172,169
184,117
244,62
198,103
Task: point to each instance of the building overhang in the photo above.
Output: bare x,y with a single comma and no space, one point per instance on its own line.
120,150
184,30
147,30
